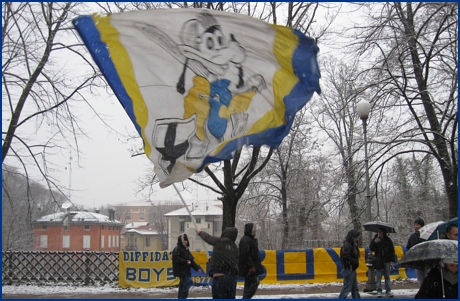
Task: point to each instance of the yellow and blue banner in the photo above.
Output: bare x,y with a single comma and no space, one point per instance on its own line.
319,265
199,84
146,269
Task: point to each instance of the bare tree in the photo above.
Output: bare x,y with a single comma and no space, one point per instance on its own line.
410,188
410,50
255,206
236,180
292,183
23,201
40,92
335,115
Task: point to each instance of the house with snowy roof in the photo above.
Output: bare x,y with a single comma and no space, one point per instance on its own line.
207,217
140,236
77,231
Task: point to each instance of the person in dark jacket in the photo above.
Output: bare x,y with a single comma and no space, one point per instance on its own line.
182,261
384,259
432,288
349,256
223,263
249,265
415,239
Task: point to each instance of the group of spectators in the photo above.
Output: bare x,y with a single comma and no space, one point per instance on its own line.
441,281
227,262
436,283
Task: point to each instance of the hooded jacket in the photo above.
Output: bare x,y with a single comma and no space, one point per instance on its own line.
249,252
349,253
383,248
225,252
180,256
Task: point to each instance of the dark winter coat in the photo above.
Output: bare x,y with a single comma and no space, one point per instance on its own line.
180,256
225,252
432,287
414,239
249,252
349,252
384,250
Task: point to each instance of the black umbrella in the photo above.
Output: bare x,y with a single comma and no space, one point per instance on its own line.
375,225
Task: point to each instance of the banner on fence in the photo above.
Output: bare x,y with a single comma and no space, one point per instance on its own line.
319,265
146,269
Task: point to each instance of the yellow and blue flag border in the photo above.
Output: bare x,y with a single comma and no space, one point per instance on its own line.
293,83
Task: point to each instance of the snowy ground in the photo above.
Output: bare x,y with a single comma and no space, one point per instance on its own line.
293,291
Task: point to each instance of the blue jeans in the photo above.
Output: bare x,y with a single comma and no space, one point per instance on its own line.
224,287
386,274
184,286
250,286
350,284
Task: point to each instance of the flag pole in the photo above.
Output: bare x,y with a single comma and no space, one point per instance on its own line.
193,219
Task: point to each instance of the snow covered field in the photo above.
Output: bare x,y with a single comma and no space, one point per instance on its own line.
293,291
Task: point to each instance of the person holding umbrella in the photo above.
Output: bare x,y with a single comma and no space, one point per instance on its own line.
440,256
444,277
384,250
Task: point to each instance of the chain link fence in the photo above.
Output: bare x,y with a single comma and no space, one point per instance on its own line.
311,244
73,268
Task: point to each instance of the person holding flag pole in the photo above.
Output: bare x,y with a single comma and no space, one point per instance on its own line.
198,84
223,263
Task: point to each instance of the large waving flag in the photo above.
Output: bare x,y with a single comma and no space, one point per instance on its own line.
199,84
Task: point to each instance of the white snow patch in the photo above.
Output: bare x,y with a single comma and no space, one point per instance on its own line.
114,289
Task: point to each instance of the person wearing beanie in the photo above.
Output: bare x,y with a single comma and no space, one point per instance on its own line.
441,282
182,261
223,263
415,239
349,257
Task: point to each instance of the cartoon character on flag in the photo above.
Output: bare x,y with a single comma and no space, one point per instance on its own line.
220,94
199,84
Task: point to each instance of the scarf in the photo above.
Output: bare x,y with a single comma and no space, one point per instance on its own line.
449,276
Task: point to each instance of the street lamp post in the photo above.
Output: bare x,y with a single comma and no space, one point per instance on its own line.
363,108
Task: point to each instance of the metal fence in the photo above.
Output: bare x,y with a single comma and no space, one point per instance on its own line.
75,268
311,244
